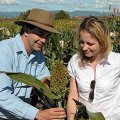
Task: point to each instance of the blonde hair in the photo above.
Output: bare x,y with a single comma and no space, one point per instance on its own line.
98,30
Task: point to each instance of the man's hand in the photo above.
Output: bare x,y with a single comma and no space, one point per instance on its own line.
51,114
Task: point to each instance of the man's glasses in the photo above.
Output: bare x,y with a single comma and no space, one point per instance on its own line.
92,87
40,32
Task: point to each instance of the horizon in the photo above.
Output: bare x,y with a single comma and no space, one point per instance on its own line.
72,14
63,10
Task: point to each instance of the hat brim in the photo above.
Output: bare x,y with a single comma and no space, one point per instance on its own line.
42,26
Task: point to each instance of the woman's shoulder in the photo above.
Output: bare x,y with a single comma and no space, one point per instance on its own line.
74,58
113,56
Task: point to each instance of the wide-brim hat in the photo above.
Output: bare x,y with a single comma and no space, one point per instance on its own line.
40,18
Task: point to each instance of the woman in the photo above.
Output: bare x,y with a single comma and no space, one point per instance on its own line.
95,72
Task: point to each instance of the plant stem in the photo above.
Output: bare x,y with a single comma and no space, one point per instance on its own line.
60,104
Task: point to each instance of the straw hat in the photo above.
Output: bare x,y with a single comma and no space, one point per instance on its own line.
40,18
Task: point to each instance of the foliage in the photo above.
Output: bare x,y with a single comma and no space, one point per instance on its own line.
61,15
61,46
96,116
8,25
82,112
114,28
31,81
59,82
23,15
53,96
59,78
54,51
66,25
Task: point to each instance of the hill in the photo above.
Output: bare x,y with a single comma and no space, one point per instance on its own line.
74,13
87,13
9,14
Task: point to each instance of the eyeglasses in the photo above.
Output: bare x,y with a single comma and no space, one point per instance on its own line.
43,34
40,32
92,87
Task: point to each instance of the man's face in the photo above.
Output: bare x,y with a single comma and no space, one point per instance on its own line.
37,38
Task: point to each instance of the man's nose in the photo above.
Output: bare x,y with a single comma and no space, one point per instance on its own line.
44,40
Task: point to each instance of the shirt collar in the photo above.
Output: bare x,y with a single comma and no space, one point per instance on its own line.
106,60
20,47
19,44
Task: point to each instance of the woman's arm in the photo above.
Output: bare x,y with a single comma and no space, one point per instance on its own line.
71,105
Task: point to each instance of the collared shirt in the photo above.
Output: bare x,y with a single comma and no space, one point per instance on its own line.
15,59
107,87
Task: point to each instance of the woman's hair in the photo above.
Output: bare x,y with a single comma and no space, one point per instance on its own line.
98,30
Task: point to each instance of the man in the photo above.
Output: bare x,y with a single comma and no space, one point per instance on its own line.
23,54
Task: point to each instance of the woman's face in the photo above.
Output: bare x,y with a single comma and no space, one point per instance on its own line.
90,46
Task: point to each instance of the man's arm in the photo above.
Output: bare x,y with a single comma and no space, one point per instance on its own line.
8,101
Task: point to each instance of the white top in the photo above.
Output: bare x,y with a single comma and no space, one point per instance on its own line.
107,87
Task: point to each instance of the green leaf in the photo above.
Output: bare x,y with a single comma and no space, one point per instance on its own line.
31,81
92,116
96,116
53,55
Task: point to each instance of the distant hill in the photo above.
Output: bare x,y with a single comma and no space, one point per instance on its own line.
74,13
9,14
87,13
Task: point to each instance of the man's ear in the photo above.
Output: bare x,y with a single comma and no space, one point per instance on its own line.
26,34
26,29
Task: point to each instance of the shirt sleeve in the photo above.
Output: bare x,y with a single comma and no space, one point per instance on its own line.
8,101
71,67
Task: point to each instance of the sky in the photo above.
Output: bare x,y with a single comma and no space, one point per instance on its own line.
66,5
